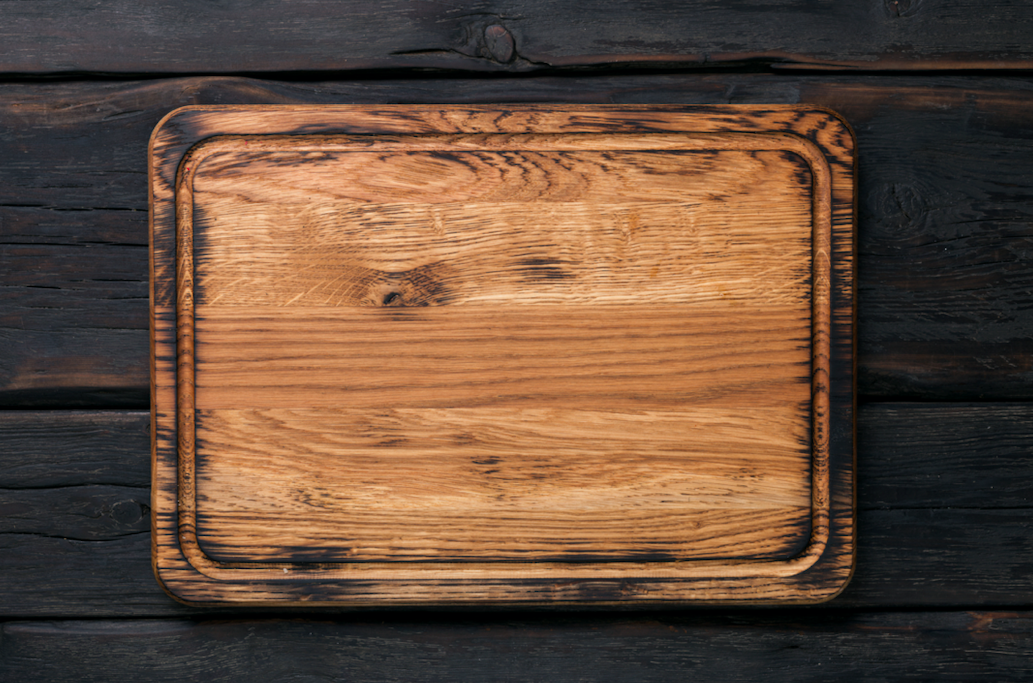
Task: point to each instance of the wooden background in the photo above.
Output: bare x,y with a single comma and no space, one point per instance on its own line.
940,93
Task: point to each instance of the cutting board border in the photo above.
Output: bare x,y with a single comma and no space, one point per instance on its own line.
180,143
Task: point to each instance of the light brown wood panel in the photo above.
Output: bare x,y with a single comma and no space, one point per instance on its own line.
595,169
430,348
415,228
267,357
570,253
498,483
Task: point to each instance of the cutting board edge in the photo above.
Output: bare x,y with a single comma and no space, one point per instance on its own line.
822,581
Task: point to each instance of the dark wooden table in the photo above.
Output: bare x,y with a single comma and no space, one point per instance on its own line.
940,94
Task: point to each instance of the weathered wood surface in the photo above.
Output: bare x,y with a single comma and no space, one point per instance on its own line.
698,264
57,449
945,496
519,35
944,219
73,300
82,513
928,456
941,646
945,315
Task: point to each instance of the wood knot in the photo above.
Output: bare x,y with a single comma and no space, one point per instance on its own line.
499,43
900,208
902,8
130,512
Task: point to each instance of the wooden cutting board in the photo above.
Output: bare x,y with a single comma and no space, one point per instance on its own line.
537,354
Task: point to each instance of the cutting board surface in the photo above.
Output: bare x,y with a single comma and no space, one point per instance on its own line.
410,355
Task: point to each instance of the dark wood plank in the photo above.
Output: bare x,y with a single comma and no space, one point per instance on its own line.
943,557
525,35
942,646
52,449
72,368
44,574
921,456
945,494
84,513
70,282
945,228
944,514
945,237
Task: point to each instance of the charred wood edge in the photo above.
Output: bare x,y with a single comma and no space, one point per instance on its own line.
822,569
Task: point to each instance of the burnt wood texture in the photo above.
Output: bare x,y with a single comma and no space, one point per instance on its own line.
953,646
939,95
536,354
122,36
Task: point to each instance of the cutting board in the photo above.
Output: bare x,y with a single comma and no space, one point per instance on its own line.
502,355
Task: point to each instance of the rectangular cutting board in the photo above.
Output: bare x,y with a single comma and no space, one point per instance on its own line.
502,355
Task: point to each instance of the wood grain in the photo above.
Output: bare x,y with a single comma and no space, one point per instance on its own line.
595,227
934,558
404,227
84,513
943,218
944,237
642,289
405,437
454,356
981,645
973,455
516,36
502,484
61,448
943,502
